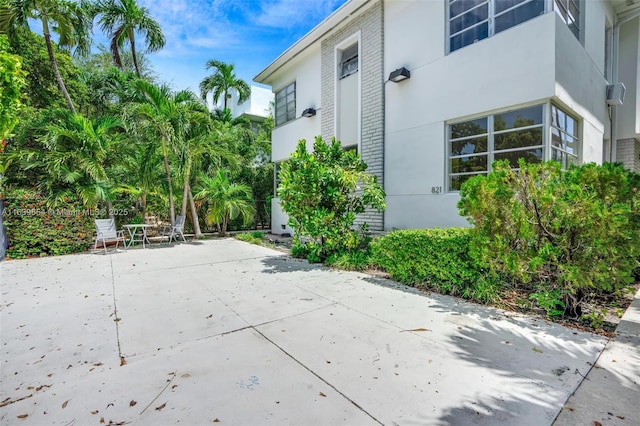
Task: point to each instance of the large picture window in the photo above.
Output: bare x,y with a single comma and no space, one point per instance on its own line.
286,104
474,20
474,144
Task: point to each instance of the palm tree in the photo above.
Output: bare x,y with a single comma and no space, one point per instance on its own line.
121,19
226,201
70,20
223,80
72,157
166,116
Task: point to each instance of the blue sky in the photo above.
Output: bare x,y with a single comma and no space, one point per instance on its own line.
248,33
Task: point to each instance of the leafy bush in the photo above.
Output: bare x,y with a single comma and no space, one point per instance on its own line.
36,228
436,259
574,233
322,192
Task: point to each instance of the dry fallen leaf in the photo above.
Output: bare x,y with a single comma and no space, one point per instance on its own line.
161,407
122,361
323,395
132,403
23,416
94,412
101,420
216,420
418,329
64,404
596,423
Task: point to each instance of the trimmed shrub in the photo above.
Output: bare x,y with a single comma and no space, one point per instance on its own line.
36,229
436,259
322,192
566,234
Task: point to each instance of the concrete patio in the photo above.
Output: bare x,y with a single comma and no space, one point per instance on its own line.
223,331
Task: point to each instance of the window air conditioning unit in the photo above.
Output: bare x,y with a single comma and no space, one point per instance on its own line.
615,94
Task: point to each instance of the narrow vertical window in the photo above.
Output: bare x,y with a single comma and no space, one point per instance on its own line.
349,61
286,104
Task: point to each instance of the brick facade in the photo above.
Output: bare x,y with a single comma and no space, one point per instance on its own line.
371,27
628,153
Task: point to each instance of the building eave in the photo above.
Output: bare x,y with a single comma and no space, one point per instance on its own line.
327,25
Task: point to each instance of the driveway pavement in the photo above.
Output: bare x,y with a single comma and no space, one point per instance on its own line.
222,331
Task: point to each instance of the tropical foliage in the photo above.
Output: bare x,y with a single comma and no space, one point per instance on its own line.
97,134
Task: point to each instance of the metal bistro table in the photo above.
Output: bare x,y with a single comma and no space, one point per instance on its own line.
138,230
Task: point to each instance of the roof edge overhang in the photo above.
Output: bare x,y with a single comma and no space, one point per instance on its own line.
345,11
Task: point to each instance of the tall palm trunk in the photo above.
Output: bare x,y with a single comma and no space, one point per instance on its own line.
194,215
167,169
133,53
54,64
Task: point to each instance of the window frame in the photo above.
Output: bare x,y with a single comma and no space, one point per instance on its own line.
289,113
546,126
563,5
353,57
490,20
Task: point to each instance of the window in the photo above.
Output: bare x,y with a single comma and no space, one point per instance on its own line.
564,137
569,11
286,104
473,145
349,61
474,20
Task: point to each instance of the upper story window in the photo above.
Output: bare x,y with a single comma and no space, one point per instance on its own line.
474,20
348,61
569,11
474,145
286,104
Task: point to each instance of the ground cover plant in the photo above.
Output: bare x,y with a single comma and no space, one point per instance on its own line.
38,228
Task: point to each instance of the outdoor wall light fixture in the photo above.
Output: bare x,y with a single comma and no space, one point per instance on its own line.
309,112
399,75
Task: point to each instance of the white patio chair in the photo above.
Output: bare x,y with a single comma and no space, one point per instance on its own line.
106,233
172,232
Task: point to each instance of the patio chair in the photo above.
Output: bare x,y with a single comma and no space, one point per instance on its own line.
106,233
172,232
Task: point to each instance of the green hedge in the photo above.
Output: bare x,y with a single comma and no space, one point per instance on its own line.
436,259
36,229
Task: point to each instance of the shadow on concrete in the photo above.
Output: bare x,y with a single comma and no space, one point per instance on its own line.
283,264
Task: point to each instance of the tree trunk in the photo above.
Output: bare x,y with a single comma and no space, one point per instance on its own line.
110,210
143,201
167,169
194,215
133,53
54,64
185,195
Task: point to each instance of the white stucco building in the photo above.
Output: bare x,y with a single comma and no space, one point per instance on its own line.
256,108
488,79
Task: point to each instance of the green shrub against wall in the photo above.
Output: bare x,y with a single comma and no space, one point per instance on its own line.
573,233
436,259
35,228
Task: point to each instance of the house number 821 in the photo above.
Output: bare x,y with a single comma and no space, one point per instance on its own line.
436,190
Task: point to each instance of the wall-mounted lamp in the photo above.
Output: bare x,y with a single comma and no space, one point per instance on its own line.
309,112
399,75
